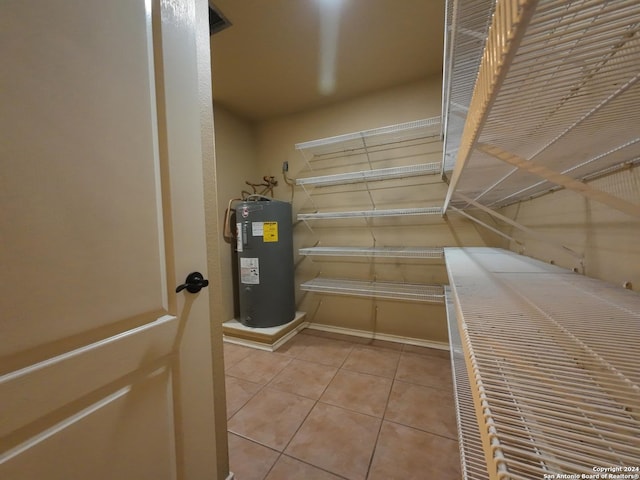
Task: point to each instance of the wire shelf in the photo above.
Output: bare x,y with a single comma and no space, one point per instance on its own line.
392,134
372,175
558,86
387,290
472,461
553,356
395,212
390,252
467,27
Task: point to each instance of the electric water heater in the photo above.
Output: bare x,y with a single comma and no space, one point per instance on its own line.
265,262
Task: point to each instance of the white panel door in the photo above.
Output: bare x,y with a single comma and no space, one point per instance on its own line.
105,372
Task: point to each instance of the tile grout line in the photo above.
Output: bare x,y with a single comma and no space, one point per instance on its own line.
384,413
282,454
244,380
442,388
318,400
422,431
340,368
261,445
315,402
262,387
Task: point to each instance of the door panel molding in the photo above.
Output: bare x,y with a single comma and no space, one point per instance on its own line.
97,364
110,447
41,353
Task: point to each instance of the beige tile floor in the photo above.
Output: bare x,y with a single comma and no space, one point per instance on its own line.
327,407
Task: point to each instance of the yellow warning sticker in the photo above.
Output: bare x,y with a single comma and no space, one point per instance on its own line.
270,232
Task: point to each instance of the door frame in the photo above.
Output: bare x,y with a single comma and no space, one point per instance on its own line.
208,193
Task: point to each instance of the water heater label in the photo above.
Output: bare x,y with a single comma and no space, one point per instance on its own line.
257,228
249,271
239,237
270,232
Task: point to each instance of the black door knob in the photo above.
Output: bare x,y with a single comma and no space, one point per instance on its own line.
194,283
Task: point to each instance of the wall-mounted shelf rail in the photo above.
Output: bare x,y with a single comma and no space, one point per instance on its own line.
371,175
552,361
387,290
394,212
389,252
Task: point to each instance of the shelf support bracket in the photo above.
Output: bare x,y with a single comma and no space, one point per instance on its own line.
485,225
366,150
309,196
560,179
307,161
306,224
519,226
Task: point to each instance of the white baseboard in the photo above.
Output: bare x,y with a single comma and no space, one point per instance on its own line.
248,343
379,336
264,346
289,335
340,330
230,477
